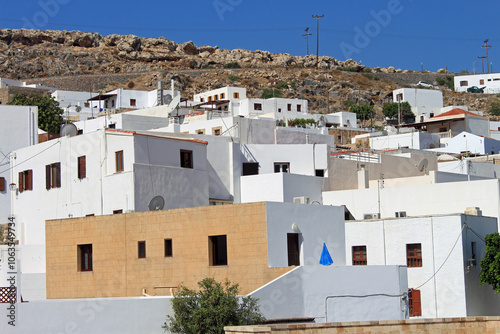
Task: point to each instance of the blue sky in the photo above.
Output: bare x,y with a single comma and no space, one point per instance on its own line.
406,34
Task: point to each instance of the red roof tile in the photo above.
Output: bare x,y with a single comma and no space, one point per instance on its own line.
455,112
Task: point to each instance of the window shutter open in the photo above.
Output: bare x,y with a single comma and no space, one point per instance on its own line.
47,177
82,168
21,185
2,184
415,303
29,180
58,174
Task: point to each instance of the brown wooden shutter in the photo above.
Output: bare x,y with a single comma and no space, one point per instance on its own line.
2,184
47,177
21,185
58,174
29,180
82,168
415,303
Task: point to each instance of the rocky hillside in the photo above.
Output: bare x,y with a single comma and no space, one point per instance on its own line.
88,61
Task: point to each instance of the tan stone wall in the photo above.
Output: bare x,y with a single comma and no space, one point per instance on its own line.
487,325
117,270
7,93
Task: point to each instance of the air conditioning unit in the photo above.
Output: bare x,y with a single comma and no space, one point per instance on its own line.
301,200
400,214
371,216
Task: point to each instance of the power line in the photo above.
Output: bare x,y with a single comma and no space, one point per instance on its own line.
8,169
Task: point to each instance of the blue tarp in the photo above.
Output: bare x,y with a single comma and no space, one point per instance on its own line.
326,259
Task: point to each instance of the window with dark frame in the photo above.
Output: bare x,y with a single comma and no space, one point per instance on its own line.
359,257
289,107
85,257
414,255
141,248
320,172
82,167
414,303
282,167
236,95
257,106
119,161
186,159
2,183
217,248
168,248
299,107
53,176
222,96
133,102
464,83
250,168
25,180
116,212
293,248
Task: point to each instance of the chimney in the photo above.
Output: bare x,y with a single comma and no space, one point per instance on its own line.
363,180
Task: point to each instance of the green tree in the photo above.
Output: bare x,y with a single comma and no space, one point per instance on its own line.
490,264
49,113
495,108
363,112
232,65
270,92
391,110
211,308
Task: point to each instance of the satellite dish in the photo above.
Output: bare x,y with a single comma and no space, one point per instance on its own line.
167,99
68,129
157,203
422,166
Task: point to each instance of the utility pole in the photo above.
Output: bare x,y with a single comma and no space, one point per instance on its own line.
317,17
482,61
486,46
307,34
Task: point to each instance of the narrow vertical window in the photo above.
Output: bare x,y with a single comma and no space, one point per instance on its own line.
26,180
289,107
119,161
186,159
141,245
85,257
359,257
293,248
299,107
53,176
2,184
217,249
82,167
168,248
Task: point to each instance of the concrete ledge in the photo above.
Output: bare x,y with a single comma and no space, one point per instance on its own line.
448,325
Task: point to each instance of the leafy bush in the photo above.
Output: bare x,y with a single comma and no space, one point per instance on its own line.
371,76
233,77
211,308
232,65
446,81
490,264
301,122
49,113
495,108
391,110
364,111
270,93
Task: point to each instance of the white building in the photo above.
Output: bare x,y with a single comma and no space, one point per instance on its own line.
442,254
75,104
410,139
489,81
425,103
469,143
103,172
9,82
128,99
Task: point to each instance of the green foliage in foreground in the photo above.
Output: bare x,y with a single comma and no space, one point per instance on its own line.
211,308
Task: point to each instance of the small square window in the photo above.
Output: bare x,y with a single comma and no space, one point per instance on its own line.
200,131
217,131
133,102
85,257
359,257
250,168
141,246
186,159
464,83
257,106
414,255
320,172
168,247
217,250
282,167
236,95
